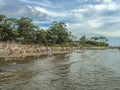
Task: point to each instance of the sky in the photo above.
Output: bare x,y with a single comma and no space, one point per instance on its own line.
82,17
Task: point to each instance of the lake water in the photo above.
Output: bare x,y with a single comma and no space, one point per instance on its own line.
89,70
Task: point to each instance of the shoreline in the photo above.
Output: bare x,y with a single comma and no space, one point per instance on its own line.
37,51
35,55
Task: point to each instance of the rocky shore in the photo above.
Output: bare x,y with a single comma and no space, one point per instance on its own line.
14,51
19,52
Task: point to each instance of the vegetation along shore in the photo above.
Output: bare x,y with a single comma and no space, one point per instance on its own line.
21,38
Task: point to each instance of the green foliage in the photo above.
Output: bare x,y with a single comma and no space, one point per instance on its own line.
7,28
94,41
59,30
24,31
83,39
101,39
65,45
41,36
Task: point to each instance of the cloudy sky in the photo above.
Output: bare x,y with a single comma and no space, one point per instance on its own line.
83,17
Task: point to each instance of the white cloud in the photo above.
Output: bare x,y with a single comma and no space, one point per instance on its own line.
116,33
79,10
80,29
41,22
50,13
100,7
107,1
110,6
95,25
82,16
45,3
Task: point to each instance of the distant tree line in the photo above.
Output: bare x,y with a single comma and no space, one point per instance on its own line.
94,41
23,30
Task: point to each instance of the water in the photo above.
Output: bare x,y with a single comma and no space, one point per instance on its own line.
90,70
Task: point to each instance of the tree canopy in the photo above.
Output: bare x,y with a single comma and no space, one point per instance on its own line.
94,41
23,30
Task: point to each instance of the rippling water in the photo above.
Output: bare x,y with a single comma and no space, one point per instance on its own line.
90,70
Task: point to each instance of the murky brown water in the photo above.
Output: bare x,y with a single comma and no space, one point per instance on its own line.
90,70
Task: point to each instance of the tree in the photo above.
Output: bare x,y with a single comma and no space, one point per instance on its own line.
7,28
83,39
59,31
41,37
2,18
51,38
103,39
94,38
12,22
26,30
